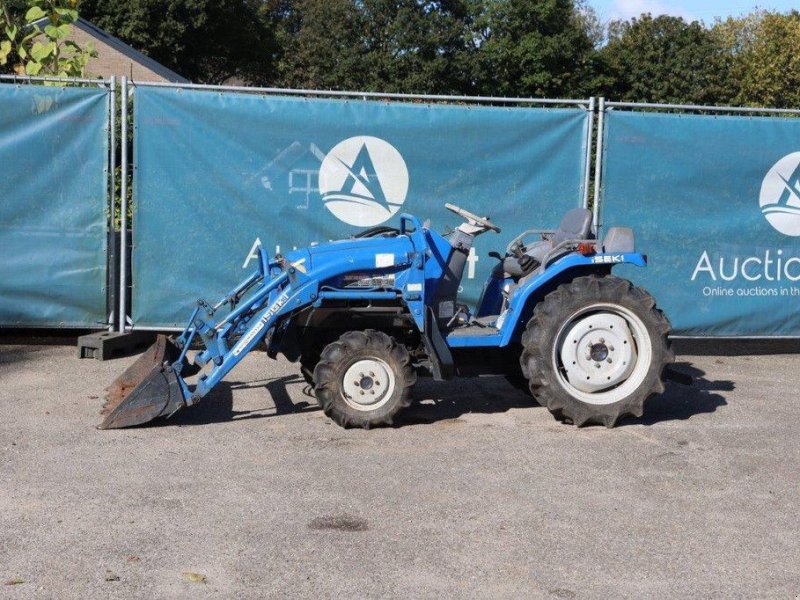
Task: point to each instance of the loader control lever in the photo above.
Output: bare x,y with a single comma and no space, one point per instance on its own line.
473,219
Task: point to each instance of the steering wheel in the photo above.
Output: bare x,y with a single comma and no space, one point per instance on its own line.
472,219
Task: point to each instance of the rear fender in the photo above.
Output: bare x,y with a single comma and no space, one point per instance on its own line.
560,271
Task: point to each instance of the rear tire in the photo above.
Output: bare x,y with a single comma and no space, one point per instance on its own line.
595,350
363,379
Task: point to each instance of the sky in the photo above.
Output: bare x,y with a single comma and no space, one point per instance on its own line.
701,10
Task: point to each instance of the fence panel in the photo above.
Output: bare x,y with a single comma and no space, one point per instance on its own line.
216,172
53,205
715,203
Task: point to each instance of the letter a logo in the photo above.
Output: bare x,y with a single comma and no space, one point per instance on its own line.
780,195
363,181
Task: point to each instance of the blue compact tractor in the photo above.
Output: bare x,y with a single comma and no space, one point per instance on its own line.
365,316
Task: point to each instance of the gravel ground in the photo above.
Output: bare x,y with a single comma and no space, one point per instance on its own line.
477,493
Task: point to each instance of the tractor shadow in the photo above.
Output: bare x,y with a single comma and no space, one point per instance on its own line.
435,401
217,407
448,400
443,401
681,402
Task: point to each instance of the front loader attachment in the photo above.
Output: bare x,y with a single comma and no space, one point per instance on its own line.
155,385
148,389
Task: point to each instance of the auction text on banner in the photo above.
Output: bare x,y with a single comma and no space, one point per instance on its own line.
715,203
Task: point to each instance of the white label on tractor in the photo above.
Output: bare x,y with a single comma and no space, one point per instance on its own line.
384,260
260,325
414,287
356,280
609,258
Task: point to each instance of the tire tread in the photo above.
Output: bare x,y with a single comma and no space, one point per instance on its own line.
537,343
348,346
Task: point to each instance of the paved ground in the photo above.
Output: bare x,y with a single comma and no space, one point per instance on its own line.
478,493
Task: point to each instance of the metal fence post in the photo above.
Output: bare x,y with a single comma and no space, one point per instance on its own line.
598,166
123,243
112,181
588,164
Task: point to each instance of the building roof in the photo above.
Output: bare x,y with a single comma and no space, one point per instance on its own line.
123,48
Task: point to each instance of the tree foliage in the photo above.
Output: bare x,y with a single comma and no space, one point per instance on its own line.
763,57
207,41
319,43
415,45
665,59
511,47
388,45
555,48
37,43
532,48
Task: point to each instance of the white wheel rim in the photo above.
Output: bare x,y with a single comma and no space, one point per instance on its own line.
368,384
602,354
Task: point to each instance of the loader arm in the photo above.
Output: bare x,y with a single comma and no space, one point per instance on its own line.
156,385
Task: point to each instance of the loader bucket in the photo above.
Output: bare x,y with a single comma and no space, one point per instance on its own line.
148,389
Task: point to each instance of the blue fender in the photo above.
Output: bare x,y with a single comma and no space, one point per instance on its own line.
572,261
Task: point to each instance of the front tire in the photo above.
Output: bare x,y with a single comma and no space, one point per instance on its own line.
307,365
363,379
595,350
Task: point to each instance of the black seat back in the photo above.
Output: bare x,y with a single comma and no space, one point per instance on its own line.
575,225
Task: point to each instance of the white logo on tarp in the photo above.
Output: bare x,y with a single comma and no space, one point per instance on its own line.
780,195
363,181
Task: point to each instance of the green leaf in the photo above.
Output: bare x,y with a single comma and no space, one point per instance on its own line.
11,32
37,50
63,30
71,15
33,68
57,32
40,51
34,14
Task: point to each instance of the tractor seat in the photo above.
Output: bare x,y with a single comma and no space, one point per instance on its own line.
575,225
